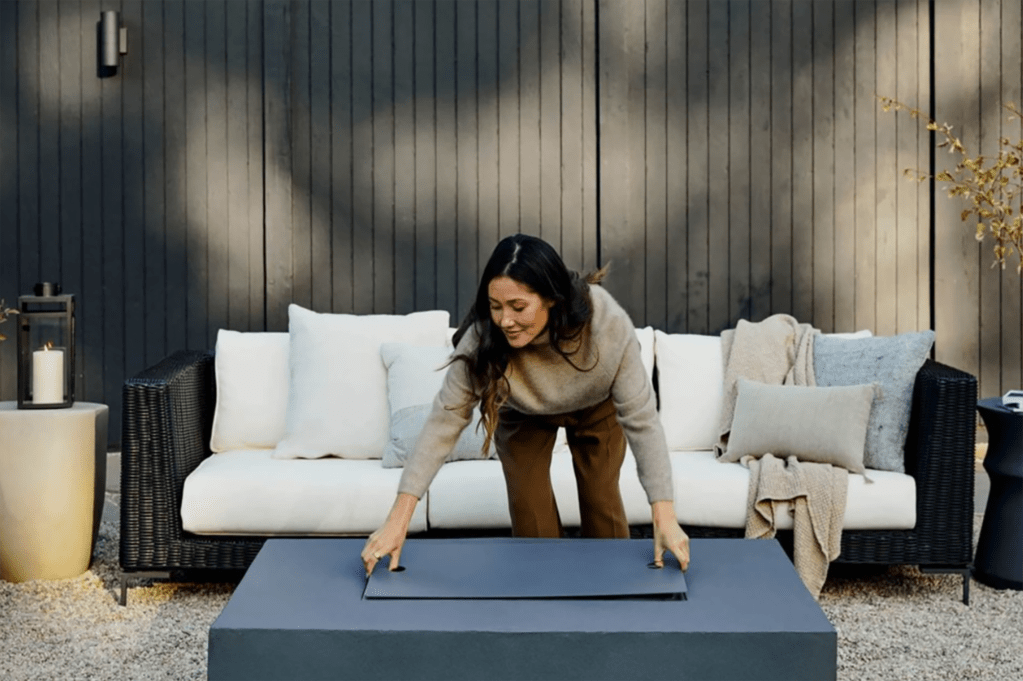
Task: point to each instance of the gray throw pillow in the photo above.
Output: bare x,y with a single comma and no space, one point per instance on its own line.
820,425
892,362
407,423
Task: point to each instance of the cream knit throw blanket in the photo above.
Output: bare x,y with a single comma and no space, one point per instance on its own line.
777,351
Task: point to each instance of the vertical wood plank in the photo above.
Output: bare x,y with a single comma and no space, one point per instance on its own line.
28,148
908,131
630,269
529,124
563,145
9,219
719,271
301,156
383,159
320,135
488,105
411,20
446,258
1012,284
698,218
867,112
132,75
425,225
677,244
555,77
176,187
956,275
49,142
823,167
342,264
846,180
468,218
218,199
740,231
197,180
154,221
591,131
622,122
509,161
256,197
782,116
761,151
238,124
888,176
73,28
988,133
277,186
802,163
90,310
656,170
923,150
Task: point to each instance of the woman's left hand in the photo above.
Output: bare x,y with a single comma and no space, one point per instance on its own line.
669,535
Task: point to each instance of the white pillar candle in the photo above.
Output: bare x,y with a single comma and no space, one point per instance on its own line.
47,376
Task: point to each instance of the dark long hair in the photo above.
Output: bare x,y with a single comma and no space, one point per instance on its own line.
534,263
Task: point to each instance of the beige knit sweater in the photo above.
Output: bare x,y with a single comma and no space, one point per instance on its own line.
543,383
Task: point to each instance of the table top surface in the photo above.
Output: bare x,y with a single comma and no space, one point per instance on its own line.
995,404
734,585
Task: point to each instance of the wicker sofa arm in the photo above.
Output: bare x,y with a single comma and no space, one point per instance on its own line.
167,418
940,455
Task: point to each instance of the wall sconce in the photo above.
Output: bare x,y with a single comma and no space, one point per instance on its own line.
113,42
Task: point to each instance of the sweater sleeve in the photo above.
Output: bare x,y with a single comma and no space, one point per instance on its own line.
636,404
451,413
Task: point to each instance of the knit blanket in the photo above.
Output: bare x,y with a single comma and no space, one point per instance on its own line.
779,351
815,495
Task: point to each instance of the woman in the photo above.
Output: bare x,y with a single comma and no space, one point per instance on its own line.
542,349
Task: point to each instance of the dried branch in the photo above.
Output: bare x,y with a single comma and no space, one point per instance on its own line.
991,187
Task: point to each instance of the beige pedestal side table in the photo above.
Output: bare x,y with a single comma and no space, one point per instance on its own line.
52,479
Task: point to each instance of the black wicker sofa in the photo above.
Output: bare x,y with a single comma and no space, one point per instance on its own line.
167,419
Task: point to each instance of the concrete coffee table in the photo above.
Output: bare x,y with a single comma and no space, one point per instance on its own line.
299,613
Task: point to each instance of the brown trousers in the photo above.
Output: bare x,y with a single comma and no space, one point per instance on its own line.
524,445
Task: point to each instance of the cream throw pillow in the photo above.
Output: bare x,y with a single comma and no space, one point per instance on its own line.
822,425
337,400
251,371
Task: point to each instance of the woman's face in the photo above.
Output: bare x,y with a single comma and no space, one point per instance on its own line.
517,310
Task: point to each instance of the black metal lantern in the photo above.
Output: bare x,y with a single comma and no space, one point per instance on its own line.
46,349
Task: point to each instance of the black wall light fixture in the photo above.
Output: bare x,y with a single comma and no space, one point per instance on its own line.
113,42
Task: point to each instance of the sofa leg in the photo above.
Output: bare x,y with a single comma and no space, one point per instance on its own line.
126,576
965,571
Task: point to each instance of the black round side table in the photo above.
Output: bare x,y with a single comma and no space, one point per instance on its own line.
999,559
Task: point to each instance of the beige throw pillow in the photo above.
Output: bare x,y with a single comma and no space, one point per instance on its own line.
822,425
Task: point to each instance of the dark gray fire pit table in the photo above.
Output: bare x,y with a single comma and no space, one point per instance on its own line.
300,613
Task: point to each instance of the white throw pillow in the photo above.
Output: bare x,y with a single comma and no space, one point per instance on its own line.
415,375
690,386
251,371
337,400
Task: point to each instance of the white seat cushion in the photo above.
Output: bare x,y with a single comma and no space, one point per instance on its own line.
713,494
472,494
250,492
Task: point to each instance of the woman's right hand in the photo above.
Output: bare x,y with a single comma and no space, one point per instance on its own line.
388,540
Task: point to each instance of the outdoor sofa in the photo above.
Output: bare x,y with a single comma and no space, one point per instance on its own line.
199,494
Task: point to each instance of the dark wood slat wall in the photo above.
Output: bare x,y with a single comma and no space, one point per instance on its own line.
729,159
791,174
978,312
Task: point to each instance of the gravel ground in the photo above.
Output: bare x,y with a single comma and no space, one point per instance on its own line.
893,623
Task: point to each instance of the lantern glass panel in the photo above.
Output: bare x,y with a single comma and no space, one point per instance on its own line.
46,352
